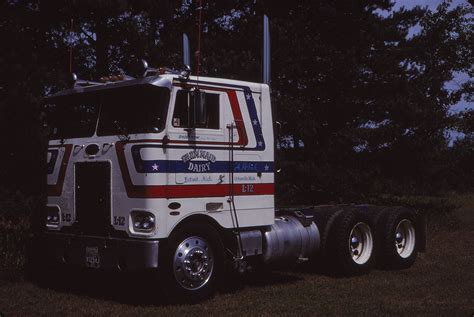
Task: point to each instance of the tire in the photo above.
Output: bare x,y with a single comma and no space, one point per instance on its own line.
350,244
325,225
192,263
398,239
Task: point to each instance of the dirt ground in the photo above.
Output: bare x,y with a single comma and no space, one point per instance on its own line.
440,283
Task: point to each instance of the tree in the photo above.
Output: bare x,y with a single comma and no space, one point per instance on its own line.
353,82
367,99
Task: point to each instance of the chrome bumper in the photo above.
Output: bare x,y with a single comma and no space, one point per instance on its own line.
96,252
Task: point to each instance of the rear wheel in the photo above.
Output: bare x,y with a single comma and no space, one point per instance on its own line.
361,243
350,244
192,263
405,238
399,242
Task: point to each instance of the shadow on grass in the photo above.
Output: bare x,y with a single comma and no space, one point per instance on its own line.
237,282
140,288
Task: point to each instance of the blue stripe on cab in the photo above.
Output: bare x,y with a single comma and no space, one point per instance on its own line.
199,166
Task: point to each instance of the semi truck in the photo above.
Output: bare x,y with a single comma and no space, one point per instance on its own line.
175,174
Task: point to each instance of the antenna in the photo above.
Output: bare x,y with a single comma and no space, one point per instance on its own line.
70,45
186,56
198,52
266,50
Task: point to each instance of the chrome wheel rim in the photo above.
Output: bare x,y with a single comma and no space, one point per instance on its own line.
361,243
405,238
193,263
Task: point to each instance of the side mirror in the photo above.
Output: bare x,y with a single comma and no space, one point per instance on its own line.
184,74
200,115
196,109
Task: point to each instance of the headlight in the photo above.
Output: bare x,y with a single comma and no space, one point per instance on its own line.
52,216
143,221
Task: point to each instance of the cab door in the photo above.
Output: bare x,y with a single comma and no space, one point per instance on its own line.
197,150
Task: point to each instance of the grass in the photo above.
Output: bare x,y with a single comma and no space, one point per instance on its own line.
464,214
13,238
440,283
14,228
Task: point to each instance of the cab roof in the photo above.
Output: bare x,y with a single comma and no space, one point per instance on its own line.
164,80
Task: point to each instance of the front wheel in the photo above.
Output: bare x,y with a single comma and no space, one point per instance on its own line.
399,247
192,263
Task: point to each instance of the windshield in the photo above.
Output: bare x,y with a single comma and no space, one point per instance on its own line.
134,109
125,110
72,116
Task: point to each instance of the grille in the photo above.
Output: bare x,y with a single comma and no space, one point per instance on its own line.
92,198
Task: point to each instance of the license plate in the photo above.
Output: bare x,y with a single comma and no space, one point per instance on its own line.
92,257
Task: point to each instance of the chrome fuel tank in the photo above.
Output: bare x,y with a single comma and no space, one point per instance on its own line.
290,241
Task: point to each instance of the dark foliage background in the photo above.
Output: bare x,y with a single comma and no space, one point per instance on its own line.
359,89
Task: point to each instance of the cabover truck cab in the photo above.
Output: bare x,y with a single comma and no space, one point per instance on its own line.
175,173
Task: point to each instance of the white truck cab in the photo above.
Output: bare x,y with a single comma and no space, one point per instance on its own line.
147,154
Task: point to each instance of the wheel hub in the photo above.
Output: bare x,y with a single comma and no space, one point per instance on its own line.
405,238
193,263
360,243
398,237
354,242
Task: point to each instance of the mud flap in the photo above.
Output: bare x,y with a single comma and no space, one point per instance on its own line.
422,228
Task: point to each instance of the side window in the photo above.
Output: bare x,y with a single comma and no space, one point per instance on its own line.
211,111
196,109
180,115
